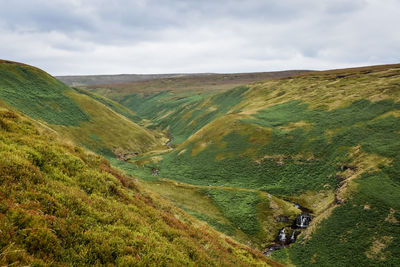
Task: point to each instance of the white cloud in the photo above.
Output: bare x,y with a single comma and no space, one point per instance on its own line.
150,36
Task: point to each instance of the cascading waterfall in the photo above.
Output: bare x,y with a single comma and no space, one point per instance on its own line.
303,221
293,236
282,235
282,241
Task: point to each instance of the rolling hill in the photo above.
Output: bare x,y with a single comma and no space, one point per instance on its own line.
100,125
61,204
328,141
83,80
250,154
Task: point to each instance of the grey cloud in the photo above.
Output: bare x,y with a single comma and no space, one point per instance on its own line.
99,36
43,16
344,6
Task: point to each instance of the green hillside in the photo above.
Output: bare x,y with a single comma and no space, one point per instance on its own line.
240,156
60,205
38,95
183,104
326,140
182,113
92,121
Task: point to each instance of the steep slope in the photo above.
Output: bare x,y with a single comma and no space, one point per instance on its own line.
182,114
269,125
96,124
183,104
326,140
60,205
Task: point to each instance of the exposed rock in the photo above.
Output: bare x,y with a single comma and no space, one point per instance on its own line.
337,200
155,171
126,156
268,251
281,218
346,167
280,162
283,240
340,177
257,162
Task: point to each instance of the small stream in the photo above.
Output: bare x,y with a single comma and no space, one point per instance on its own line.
288,234
171,139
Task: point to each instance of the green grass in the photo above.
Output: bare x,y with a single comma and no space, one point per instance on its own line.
293,177
291,144
113,133
112,105
296,138
363,225
89,120
297,173
240,207
60,205
38,95
182,113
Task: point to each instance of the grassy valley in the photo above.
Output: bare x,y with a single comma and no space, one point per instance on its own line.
63,205
240,152
326,140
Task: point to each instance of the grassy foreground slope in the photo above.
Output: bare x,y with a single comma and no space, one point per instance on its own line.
61,205
99,124
327,140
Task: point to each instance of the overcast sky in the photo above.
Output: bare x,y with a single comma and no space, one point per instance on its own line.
175,36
